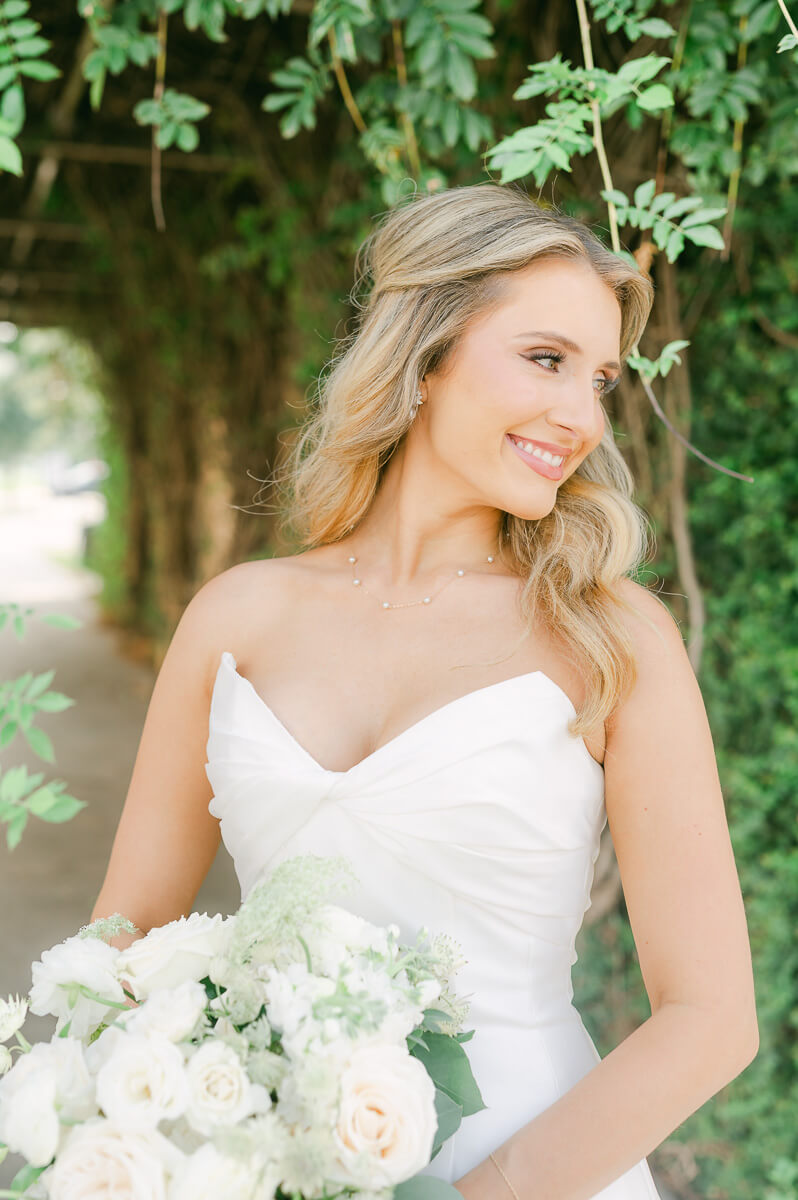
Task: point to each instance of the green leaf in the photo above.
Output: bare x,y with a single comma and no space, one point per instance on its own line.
40,682
32,47
14,783
612,195
40,744
638,70
15,8
644,193
675,245
7,732
655,98
62,620
703,216
187,137
10,160
450,1116
447,1065
460,73
25,1177
706,235
15,827
686,204
54,702
657,28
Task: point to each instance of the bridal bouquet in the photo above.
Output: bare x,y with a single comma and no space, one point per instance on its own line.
292,1051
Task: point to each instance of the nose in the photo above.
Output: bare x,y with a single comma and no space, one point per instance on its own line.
578,412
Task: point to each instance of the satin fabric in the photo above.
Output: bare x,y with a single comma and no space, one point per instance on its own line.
482,821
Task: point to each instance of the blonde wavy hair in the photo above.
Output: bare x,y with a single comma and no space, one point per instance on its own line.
438,262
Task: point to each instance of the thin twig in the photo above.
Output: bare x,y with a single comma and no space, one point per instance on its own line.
737,146
343,83
401,74
155,175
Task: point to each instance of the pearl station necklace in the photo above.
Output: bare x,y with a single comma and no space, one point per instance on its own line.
460,572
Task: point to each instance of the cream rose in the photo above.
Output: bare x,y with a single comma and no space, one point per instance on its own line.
58,977
387,1120
220,1091
171,953
142,1081
102,1159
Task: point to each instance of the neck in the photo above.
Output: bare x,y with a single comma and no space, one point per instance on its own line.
418,527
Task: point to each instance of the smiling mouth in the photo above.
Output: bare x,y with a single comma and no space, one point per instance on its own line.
554,460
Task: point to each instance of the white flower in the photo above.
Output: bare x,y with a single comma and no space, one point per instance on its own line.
12,1016
387,1120
57,979
142,1081
208,1175
172,1012
290,995
99,1159
310,1091
333,934
220,1092
172,953
5,1059
28,1119
50,1080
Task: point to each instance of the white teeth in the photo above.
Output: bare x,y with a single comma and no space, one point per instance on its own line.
555,460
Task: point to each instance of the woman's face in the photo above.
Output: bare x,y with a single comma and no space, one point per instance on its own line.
515,388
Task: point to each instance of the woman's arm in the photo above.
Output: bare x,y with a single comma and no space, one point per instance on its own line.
667,819
166,839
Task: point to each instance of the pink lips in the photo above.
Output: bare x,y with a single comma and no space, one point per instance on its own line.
537,464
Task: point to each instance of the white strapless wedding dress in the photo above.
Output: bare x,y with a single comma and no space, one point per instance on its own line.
482,820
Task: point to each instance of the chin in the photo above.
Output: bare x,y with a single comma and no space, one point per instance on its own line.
530,511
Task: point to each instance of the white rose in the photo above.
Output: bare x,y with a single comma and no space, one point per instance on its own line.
12,1016
387,1120
208,1174
28,1119
142,1081
51,1079
171,953
61,972
172,1012
220,1091
100,1159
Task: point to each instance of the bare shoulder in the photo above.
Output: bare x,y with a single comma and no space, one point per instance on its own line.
231,610
665,693
649,621
657,642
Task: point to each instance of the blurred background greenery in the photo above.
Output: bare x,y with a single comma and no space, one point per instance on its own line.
176,271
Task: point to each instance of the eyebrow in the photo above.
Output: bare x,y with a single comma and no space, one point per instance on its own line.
569,345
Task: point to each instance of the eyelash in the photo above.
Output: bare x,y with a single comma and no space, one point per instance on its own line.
558,356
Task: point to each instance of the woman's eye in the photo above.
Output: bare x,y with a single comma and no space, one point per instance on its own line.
606,384
557,358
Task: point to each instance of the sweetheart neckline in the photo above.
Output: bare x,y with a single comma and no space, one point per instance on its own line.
416,725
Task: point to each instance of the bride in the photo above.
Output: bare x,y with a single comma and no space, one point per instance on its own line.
457,684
